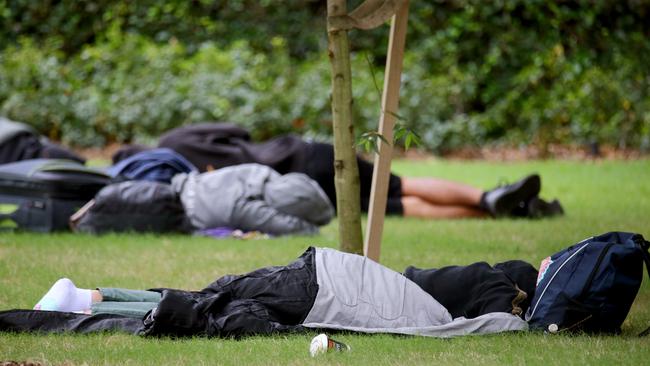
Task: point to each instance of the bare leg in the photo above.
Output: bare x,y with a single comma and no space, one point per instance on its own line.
442,192
96,296
417,207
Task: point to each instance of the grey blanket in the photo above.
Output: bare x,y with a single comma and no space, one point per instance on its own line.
349,299
253,197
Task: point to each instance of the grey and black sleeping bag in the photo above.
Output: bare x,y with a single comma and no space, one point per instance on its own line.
133,206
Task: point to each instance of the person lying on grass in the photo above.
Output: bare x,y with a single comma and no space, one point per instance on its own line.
323,288
247,197
215,145
210,146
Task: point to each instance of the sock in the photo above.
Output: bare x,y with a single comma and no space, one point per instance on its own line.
65,296
482,204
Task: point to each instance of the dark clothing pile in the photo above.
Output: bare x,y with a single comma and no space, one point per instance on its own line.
139,196
206,147
479,288
19,142
211,146
142,206
157,165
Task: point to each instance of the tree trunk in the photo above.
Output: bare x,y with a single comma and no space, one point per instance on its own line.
346,178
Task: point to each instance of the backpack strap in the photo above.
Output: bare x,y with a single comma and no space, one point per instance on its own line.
644,245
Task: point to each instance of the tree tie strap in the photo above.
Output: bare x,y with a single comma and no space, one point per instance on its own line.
370,14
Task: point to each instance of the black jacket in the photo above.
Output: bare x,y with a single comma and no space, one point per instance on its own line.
216,145
478,288
268,300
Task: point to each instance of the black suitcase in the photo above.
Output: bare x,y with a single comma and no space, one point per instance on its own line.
42,194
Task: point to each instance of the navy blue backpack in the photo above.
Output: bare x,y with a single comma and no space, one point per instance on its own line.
589,286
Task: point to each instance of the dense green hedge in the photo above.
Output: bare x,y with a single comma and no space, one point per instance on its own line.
79,22
520,71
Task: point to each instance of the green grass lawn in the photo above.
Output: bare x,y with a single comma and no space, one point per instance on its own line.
597,196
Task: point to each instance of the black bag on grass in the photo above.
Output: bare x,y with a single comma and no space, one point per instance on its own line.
42,194
591,285
133,206
19,141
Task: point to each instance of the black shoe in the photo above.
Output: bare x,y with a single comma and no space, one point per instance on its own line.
502,201
538,208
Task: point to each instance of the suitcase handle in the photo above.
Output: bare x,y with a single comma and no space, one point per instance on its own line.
66,166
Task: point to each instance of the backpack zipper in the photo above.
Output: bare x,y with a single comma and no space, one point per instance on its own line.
593,271
553,277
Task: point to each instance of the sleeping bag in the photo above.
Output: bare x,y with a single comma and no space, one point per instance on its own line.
322,289
132,206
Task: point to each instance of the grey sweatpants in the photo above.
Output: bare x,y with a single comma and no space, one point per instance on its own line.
130,303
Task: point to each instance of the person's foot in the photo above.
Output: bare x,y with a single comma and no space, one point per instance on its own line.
502,201
538,208
65,296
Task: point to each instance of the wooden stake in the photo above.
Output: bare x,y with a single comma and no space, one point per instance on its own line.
389,107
